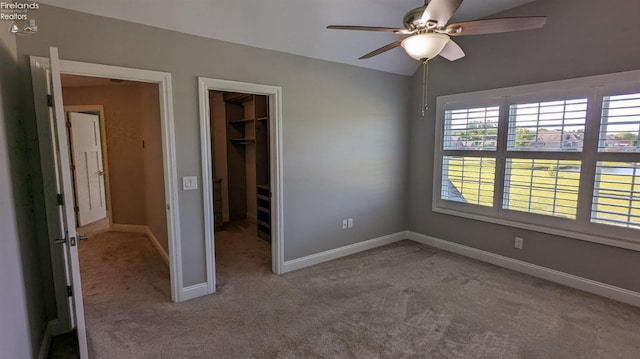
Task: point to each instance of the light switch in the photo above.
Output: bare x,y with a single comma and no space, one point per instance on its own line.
189,183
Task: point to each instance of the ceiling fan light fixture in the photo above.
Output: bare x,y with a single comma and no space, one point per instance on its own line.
425,46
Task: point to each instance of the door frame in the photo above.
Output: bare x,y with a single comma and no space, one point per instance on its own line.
163,79
105,154
274,94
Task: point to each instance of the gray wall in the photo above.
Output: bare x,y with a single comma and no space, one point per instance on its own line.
344,129
569,46
23,313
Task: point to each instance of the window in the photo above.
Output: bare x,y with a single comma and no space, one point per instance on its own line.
468,179
547,126
560,157
471,129
548,187
616,196
620,125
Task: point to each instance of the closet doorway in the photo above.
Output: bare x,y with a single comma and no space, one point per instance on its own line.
240,126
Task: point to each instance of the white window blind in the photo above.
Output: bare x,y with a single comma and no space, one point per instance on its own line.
547,126
547,187
558,157
616,195
620,123
468,179
471,129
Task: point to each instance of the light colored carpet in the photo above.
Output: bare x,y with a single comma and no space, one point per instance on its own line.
403,300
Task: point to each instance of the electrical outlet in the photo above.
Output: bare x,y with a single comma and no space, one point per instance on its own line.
518,243
344,224
350,222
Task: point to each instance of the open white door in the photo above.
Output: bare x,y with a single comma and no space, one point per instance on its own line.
86,145
67,215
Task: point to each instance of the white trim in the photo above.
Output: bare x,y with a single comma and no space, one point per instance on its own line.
163,79
207,184
46,340
66,189
194,291
569,280
277,174
336,253
156,243
274,94
136,228
626,77
40,75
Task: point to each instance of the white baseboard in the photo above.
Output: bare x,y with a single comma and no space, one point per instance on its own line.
156,243
46,340
137,228
313,259
194,291
569,280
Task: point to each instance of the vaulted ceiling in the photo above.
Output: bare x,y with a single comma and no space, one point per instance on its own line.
291,26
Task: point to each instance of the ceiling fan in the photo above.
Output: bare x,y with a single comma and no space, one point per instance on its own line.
430,36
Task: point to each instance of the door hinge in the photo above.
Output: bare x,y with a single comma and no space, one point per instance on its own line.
73,167
76,209
60,199
270,194
69,291
68,123
49,100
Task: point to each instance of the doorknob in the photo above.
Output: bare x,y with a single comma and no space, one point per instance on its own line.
82,237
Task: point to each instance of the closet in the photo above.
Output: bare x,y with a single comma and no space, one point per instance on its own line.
244,146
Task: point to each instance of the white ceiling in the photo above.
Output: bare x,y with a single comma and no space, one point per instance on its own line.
291,26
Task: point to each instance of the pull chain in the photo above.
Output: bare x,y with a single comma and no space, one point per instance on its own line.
425,76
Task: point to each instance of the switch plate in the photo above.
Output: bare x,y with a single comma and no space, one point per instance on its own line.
344,224
350,223
189,183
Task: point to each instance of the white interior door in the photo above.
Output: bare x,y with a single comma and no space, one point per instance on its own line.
67,215
89,172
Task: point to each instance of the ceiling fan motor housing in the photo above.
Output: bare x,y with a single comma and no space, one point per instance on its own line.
413,19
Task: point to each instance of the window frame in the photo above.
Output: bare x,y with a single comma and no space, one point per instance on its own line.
594,88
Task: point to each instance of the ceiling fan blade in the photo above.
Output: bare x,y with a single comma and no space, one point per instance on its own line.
492,26
440,11
385,48
452,51
369,28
